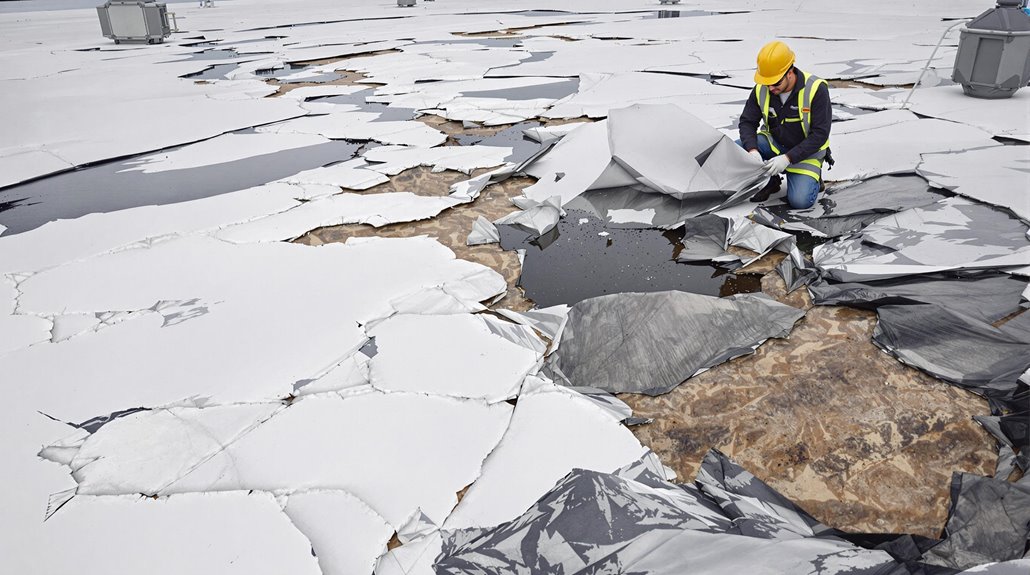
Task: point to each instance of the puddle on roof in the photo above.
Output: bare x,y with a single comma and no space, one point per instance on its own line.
221,72
387,113
485,41
852,111
555,91
572,263
290,69
214,54
216,72
105,188
547,13
512,136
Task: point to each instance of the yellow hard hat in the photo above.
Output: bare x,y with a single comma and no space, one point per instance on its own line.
774,60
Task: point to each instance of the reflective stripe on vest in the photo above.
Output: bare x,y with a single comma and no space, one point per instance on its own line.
812,165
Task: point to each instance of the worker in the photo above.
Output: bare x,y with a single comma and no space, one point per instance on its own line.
793,109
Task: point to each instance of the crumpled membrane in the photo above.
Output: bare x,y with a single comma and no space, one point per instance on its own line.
989,521
652,148
728,521
845,209
683,156
952,234
989,296
651,342
958,348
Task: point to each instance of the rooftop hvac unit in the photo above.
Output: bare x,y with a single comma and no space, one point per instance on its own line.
993,59
134,21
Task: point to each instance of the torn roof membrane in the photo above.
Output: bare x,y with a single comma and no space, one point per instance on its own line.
239,533
359,126
848,208
955,347
551,431
347,536
109,363
418,353
608,338
372,209
154,295
892,142
989,296
1007,117
948,235
637,520
599,93
222,149
1003,184
716,172
395,468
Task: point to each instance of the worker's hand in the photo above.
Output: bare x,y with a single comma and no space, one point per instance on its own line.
776,165
756,154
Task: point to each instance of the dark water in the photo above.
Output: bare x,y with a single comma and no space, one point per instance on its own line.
221,72
572,263
522,147
101,188
555,91
386,112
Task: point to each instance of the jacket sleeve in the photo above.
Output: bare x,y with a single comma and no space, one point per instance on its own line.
750,119
819,131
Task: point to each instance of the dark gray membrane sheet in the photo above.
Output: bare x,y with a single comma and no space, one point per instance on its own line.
988,296
651,342
843,210
958,348
951,234
989,521
728,521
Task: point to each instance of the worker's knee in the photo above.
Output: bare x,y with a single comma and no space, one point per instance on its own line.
802,191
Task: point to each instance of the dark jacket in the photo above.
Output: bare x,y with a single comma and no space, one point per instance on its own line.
789,135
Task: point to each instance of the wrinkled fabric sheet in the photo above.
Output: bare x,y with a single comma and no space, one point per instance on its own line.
958,348
845,209
651,342
951,234
989,521
989,296
634,521
660,149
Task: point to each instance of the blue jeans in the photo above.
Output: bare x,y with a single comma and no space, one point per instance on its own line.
802,190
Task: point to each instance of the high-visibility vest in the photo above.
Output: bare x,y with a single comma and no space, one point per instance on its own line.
812,165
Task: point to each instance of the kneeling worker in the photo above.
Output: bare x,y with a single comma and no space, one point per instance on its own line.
794,110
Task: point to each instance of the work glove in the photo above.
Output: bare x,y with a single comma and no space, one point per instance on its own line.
756,154
776,165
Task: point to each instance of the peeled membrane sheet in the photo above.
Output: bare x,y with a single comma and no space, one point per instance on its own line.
651,342
552,431
661,149
999,175
683,156
226,533
956,347
988,296
845,209
397,452
951,234
634,521
989,521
